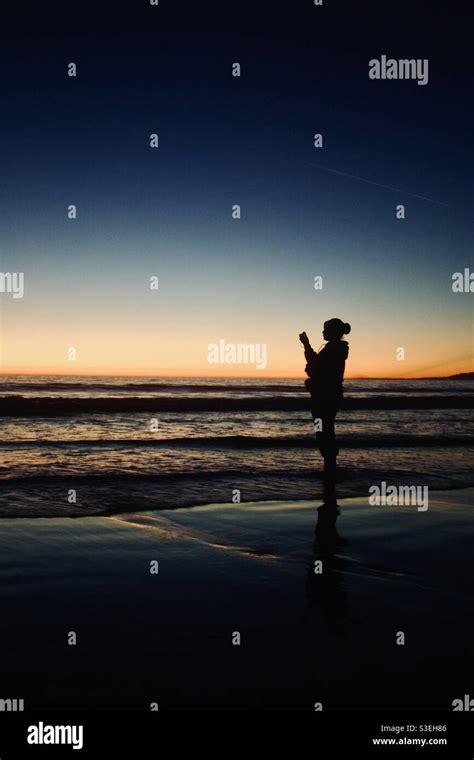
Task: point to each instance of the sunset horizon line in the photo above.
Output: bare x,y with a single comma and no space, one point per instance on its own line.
92,373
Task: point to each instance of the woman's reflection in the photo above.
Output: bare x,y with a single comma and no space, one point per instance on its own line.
325,579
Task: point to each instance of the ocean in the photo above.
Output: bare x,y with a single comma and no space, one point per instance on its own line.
94,445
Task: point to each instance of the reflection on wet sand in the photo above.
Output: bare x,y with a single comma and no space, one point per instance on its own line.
325,586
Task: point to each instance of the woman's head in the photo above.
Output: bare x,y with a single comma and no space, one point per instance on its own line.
334,329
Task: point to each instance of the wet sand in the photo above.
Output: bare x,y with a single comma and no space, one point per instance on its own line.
246,568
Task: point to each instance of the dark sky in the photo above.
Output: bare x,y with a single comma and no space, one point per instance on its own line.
247,140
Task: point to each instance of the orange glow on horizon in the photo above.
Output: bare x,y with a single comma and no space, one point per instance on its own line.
445,372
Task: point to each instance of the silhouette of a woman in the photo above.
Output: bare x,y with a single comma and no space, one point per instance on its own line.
325,372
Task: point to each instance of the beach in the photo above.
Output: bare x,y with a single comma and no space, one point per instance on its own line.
306,638
172,543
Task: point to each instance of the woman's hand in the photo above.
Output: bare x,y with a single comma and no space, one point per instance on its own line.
304,338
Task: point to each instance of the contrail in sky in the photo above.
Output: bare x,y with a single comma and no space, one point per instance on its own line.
378,184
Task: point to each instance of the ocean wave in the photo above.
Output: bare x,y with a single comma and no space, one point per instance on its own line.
352,441
106,480
16,406
231,386
43,496
147,387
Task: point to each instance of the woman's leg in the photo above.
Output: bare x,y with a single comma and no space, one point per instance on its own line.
324,416
329,423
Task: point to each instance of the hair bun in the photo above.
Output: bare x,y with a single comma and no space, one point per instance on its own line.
347,328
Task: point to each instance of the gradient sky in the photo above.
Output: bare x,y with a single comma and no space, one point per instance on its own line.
225,141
